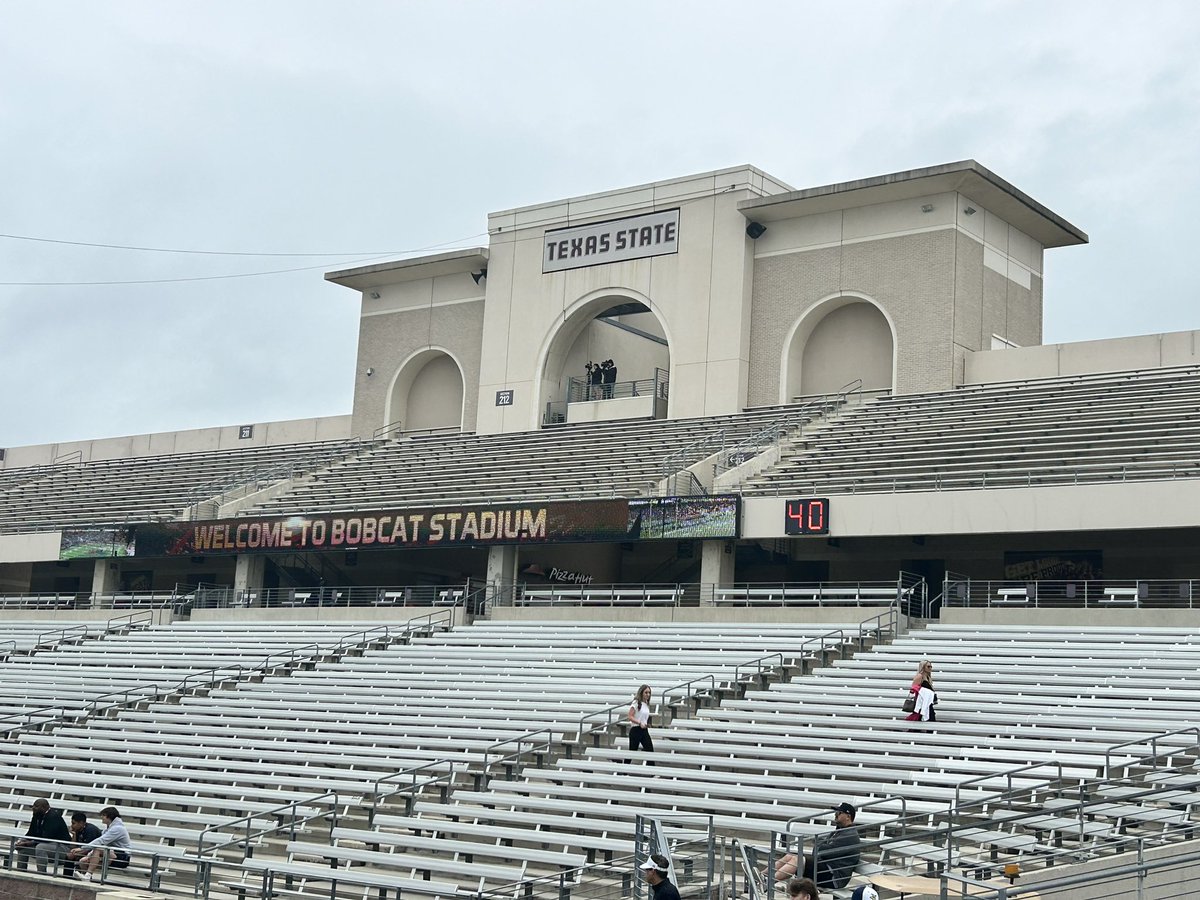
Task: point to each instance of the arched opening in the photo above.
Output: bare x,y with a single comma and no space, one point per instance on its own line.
615,327
839,341
427,392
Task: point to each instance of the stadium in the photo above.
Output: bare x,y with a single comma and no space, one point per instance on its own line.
762,449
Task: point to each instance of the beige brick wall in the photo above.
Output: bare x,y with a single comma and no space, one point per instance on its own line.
385,341
911,277
934,287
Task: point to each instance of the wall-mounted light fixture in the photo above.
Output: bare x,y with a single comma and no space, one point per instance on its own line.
479,276
755,230
926,207
374,295
370,371
970,210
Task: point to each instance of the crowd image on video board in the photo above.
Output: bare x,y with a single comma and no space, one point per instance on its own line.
683,517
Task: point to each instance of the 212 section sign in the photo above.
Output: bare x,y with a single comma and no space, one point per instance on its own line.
806,517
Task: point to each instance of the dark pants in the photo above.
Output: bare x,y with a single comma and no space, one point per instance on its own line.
47,855
639,739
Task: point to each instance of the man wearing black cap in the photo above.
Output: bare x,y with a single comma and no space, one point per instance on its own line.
836,853
657,868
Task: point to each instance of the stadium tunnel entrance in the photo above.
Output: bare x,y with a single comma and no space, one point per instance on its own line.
609,359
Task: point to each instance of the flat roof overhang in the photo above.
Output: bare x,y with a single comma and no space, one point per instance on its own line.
453,263
967,177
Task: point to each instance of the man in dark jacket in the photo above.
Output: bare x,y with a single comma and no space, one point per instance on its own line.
836,853
82,832
46,838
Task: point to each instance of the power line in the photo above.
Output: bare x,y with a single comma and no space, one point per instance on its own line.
175,280
372,253
342,262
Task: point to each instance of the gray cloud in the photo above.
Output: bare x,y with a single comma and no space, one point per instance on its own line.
319,126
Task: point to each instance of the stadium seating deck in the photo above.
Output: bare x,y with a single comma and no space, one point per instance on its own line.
1063,696
343,725
147,488
1123,426
567,462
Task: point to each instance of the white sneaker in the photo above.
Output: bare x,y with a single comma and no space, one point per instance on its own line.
82,876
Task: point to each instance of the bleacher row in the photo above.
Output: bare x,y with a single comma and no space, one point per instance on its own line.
1086,428
342,726
1129,425
348,723
567,462
146,488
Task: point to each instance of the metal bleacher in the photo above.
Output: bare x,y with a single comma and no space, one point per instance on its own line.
458,705
1087,428
388,758
148,488
566,462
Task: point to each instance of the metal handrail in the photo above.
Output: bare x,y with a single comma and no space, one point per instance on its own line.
384,431
65,633
1153,739
61,713
816,407
608,711
274,812
93,705
520,741
129,621
377,797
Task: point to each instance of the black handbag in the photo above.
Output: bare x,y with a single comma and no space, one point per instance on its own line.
910,705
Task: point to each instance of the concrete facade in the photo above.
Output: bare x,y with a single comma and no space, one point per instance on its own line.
894,281
225,437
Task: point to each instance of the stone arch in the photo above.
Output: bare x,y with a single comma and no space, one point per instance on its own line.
839,339
559,354
427,391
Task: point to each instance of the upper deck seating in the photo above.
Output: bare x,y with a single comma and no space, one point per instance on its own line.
1086,428
147,488
594,460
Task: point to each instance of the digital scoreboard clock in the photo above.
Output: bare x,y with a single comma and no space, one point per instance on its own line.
806,517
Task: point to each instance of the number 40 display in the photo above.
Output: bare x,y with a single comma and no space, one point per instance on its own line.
807,517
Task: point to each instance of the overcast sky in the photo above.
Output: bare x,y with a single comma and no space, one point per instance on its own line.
371,128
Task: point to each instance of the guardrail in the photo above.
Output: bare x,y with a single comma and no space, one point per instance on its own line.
1085,593
333,596
58,861
996,479
292,816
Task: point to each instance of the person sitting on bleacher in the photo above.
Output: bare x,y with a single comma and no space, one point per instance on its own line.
802,889
114,843
922,695
836,854
45,838
83,832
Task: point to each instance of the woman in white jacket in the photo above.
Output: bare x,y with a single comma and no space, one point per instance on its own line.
922,694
